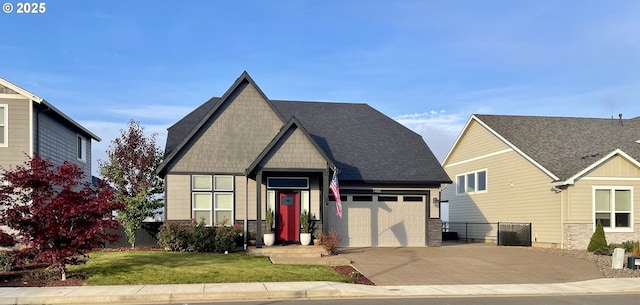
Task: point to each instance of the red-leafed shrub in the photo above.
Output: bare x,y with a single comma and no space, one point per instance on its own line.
58,215
331,241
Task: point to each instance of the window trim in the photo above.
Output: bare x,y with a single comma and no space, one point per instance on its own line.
81,148
5,125
613,189
194,209
193,183
306,179
465,182
213,193
233,183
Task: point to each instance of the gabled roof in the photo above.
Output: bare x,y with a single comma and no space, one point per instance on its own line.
181,132
364,144
48,105
566,147
293,123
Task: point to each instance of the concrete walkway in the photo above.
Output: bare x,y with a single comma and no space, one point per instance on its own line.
291,290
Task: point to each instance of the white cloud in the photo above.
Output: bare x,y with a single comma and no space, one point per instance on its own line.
437,128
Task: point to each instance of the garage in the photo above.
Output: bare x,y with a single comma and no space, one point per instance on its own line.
381,220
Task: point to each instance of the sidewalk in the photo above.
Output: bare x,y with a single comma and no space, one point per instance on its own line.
291,290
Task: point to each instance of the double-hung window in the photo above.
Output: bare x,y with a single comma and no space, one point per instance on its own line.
469,183
4,125
613,207
212,199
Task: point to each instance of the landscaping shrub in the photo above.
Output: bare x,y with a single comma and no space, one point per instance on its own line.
7,261
607,251
227,238
7,240
598,241
201,238
629,245
173,236
331,241
196,237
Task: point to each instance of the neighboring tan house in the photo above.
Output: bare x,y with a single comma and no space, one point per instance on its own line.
30,125
562,174
234,156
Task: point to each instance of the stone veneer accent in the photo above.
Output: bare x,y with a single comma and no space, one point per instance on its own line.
434,232
578,235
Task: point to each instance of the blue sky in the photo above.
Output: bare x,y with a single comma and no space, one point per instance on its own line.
428,64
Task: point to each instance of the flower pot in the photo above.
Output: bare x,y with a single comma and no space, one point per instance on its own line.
269,239
317,242
305,239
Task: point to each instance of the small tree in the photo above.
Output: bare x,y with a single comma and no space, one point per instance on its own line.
131,171
598,240
58,216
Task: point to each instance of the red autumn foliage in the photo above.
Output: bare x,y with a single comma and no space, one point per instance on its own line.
58,215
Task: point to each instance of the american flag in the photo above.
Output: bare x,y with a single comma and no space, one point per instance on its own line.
335,190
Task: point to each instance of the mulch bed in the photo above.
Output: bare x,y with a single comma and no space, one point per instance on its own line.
350,272
36,276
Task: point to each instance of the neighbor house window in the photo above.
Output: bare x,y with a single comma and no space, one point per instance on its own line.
212,199
4,128
473,182
613,207
82,149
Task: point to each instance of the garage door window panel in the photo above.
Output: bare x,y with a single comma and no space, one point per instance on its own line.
387,198
360,198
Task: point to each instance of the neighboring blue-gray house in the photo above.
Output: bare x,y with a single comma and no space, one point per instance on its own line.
30,125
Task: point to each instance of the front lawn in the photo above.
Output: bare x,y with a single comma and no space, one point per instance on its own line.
157,267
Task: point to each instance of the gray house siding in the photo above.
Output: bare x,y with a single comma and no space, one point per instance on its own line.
234,136
18,133
59,142
294,151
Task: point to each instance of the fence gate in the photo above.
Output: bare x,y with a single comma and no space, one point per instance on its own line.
514,234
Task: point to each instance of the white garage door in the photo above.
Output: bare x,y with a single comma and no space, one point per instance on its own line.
381,220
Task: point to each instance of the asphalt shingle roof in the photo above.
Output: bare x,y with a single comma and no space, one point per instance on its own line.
366,145
567,145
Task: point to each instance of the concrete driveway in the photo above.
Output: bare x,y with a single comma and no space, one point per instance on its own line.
467,264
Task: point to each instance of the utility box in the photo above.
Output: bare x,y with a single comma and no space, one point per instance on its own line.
633,262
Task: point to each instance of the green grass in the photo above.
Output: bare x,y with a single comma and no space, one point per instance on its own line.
157,267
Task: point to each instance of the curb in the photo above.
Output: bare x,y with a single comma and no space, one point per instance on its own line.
137,294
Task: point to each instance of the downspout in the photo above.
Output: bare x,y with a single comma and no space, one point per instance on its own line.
36,140
562,218
259,241
246,211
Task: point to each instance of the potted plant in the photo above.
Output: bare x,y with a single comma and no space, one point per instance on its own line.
252,239
317,238
269,237
305,228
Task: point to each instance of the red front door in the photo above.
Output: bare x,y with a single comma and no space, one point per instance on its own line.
288,218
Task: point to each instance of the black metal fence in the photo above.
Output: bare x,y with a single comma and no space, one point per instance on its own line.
469,231
514,234
500,233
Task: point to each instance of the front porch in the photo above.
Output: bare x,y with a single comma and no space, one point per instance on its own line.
299,255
